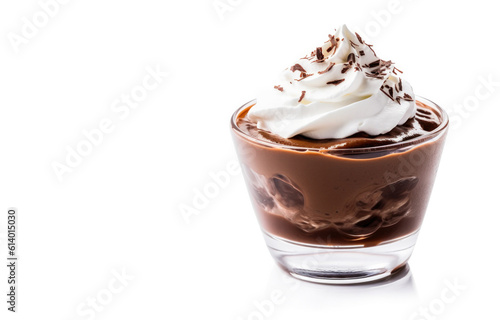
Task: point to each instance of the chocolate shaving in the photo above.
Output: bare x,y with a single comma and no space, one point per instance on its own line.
351,58
370,46
391,91
379,72
374,75
330,66
354,45
303,75
333,41
374,64
400,85
302,96
296,67
398,99
319,53
362,52
336,82
280,88
398,70
407,97
387,94
380,68
347,67
386,64
359,37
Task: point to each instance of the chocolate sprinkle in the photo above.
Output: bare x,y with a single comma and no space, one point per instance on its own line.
374,75
387,94
359,37
407,97
330,66
351,58
303,75
347,67
296,67
302,96
400,85
374,64
333,42
280,88
362,52
370,46
336,82
319,53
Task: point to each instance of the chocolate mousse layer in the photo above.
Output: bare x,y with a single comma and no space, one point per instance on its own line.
339,191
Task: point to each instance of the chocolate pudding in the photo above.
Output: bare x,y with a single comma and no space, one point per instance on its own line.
360,190
339,156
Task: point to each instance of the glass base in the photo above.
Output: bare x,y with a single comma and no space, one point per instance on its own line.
341,264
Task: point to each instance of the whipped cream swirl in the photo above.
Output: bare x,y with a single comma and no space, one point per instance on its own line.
340,89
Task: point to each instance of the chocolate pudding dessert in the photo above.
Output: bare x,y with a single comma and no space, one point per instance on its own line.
335,191
339,154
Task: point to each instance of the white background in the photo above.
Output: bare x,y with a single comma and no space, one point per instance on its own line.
117,211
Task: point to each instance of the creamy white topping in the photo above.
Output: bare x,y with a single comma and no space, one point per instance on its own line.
340,89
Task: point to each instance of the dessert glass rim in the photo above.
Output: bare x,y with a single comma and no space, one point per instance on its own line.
342,151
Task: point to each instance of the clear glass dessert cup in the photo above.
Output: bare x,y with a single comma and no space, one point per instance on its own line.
341,216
